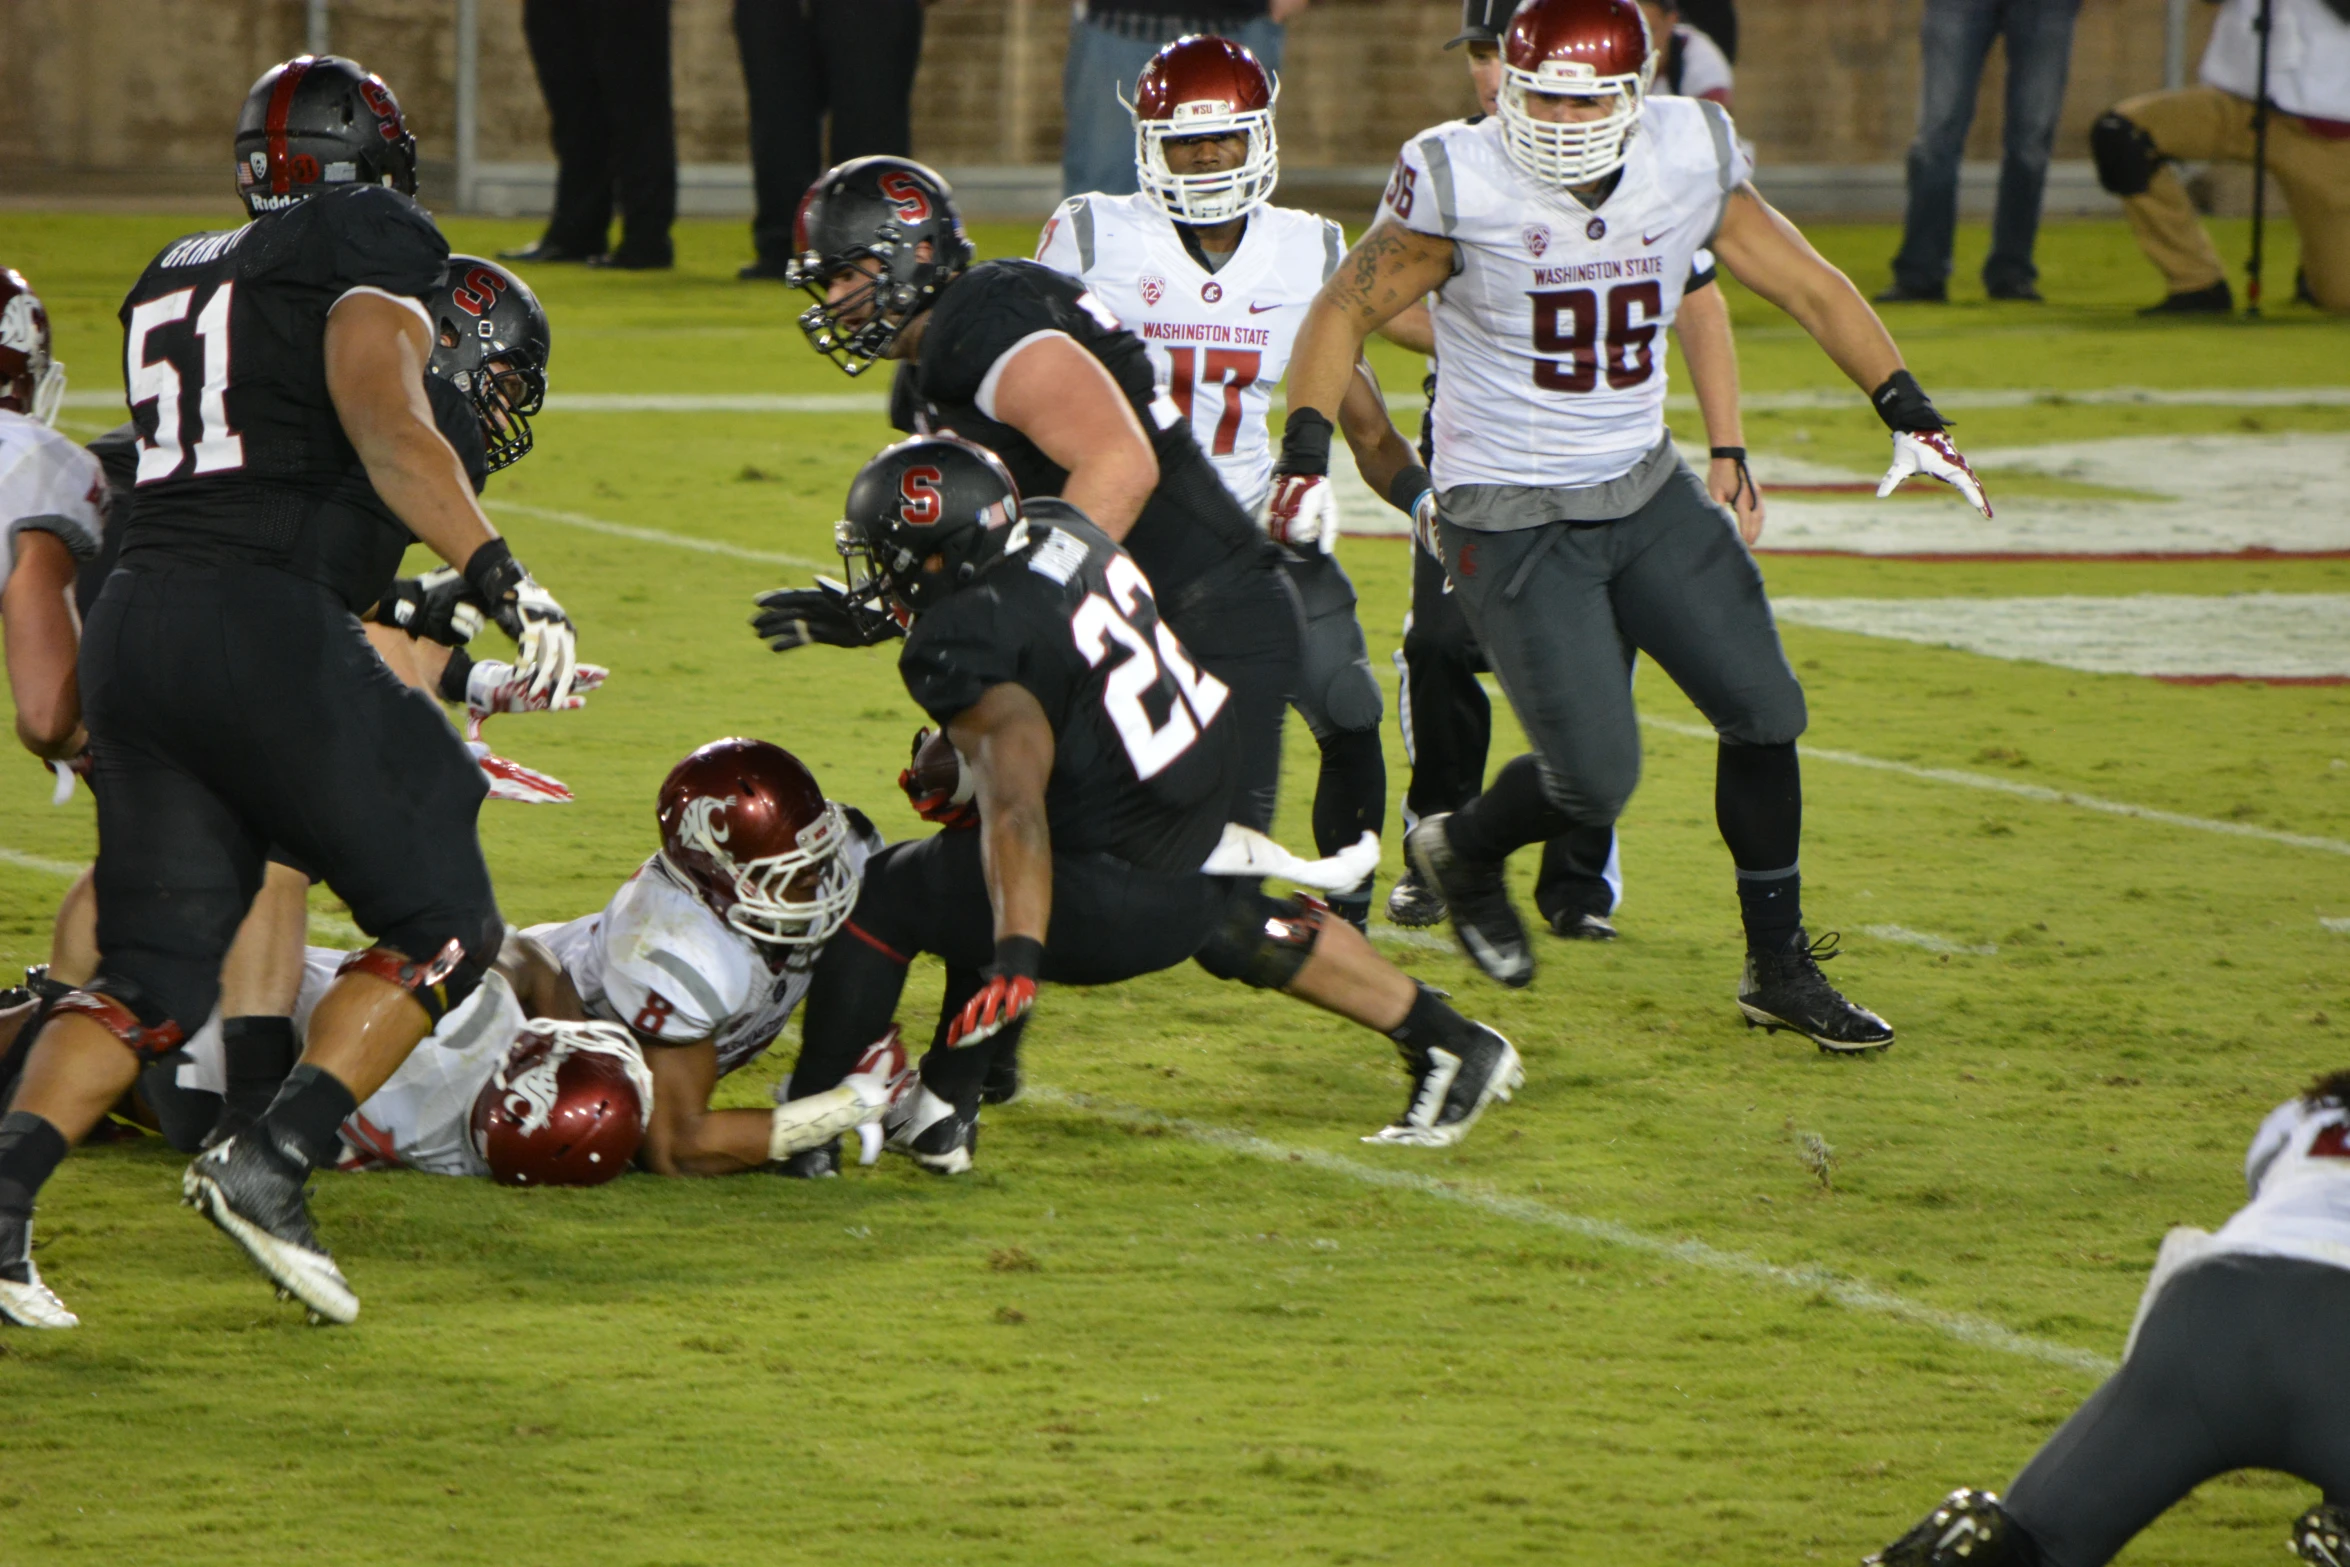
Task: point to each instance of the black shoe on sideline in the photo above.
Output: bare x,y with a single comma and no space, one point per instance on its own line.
544,250
624,260
1581,925
2019,293
1484,920
1905,294
2217,300
764,270
1786,990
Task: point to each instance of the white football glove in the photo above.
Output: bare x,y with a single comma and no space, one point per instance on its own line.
1424,531
545,646
1302,512
1929,452
493,686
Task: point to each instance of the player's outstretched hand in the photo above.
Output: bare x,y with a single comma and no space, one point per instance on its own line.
1302,512
1931,453
493,686
795,617
545,647
437,606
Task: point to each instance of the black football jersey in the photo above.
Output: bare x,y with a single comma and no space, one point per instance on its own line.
1141,740
1190,525
241,455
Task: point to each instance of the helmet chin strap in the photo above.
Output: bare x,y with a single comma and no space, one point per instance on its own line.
49,394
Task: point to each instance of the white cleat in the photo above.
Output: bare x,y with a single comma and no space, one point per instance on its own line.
33,1304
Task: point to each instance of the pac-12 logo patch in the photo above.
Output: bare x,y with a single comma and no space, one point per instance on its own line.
1537,237
1154,289
1211,291
1595,229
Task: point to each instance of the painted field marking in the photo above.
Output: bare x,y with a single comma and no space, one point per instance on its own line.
2341,925
1853,1293
1932,943
622,530
2086,802
326,929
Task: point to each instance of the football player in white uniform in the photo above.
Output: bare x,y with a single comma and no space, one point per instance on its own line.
1557,236
1215,279
2237,1361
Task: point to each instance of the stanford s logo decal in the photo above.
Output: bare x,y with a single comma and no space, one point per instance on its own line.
479,292
905,193
919,503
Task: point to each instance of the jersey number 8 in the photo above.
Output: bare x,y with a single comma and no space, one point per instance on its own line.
1566,321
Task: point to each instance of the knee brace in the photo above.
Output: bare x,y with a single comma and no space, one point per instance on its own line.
1261,941
124,1011
447,979
2125,155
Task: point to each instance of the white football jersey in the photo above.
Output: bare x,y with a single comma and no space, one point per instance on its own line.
2298,1171
49,483
1552,330
1220,340
658,959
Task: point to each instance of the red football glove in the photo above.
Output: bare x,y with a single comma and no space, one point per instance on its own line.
937,795
1008,995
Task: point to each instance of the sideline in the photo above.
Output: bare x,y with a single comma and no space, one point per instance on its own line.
1978,1331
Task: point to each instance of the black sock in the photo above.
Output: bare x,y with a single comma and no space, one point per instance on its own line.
454,674
1431,1021
259,1052
300,1125
30,1151
1771,905
1509,815
1758,804
1350,796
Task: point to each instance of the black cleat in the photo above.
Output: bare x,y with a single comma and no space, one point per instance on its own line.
1451,1088
933,1133
1787,990
1576,925
1968,1529
254,1195
1412,904
2217,300
820,1163
1484,920
2321,1536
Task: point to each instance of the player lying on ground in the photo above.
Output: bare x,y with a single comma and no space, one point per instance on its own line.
1556,237
1214,279
1100,756
1446,717
288,456
2238,1360
51,495
1024,361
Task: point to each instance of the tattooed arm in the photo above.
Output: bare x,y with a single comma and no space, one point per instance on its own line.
1389,269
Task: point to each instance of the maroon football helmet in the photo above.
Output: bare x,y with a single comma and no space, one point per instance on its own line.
743,823
1205,86
1595,49
31,380
568,1106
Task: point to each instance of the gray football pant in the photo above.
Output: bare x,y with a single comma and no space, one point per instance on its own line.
2241,1364
1560,608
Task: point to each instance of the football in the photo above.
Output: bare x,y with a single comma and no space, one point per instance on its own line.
938,769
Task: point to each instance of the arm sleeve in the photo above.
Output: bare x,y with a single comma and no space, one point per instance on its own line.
378,238
1420,192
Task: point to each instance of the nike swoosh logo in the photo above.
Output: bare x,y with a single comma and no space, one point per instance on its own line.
1258,310
1650,239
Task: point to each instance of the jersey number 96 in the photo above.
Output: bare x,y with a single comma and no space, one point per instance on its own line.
1566,321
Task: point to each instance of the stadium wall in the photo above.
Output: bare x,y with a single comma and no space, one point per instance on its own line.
103,98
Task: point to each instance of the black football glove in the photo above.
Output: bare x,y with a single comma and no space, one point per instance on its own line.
826,613
437,606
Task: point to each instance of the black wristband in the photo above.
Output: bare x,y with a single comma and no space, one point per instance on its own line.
1733,453
1904,406
1305,444
1406,488
454,674
493,572
1018,957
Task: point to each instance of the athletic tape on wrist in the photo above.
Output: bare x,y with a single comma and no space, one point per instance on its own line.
1904,406
1305,444
1019,957
1406,488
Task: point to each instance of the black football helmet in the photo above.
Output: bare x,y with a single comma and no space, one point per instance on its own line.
877,210
316,122
490,341
933,496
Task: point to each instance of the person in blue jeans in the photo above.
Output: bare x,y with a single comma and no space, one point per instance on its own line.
1110,41
1956,38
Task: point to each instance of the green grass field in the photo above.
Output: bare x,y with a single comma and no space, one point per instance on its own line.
1179,1313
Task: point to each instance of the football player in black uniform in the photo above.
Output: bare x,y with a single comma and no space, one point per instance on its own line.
287,457
1100,755
1024,361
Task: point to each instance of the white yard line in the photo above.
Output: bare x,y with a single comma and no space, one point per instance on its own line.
1927,940
2086,802
1849,1292
2340,925
622,530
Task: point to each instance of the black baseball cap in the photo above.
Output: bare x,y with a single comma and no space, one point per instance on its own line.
1482,21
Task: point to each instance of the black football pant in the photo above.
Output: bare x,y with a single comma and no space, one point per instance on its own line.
233,707
1110,922
1242,623
1339,698
802,58
1448,730
2240,1364
603,67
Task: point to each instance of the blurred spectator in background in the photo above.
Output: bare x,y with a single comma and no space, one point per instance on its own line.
1690,64
1110,41
2308,150
1718,20
801,59
603,67
1956,38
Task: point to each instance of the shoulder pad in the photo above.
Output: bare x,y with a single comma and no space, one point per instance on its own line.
672,969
